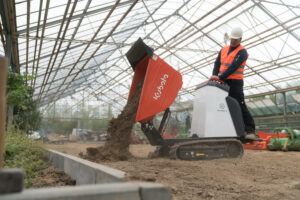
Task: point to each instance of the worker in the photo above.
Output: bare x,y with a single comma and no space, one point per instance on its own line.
229,67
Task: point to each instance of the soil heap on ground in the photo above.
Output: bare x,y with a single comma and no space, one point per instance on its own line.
119,131
51,177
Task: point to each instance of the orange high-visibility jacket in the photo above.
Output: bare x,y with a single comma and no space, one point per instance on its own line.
226,61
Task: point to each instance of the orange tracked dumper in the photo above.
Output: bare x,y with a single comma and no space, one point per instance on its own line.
160,88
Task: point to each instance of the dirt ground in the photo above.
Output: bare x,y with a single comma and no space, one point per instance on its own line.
258,175
51,177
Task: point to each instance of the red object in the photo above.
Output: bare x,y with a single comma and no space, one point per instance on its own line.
216,79
167,135
270,135
255,145
161,86
262,145
135,140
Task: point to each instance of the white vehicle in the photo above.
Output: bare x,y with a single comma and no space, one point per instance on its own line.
34,135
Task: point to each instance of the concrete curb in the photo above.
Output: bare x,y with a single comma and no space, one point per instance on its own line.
84,171
110,191
112,187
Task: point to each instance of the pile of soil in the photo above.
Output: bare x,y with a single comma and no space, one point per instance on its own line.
51,177
117,145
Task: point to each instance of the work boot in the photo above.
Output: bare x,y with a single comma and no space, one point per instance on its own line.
251,136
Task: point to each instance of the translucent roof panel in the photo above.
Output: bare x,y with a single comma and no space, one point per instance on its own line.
73,46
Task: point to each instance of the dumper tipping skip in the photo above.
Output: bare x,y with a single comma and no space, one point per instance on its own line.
161,86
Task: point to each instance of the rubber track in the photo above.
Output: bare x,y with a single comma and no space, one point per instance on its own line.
211,142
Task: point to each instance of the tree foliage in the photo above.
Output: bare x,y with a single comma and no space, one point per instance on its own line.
20,96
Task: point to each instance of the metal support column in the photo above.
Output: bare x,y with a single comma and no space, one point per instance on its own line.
8,16
284,109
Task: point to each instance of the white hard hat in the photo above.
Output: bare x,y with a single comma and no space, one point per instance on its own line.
236,33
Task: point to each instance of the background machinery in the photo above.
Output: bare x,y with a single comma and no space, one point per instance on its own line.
290,142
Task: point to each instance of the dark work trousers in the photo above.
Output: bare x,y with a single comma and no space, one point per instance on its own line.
236,91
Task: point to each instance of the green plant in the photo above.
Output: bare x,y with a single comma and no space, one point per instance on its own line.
20,97
23,152
258,98
182,133
273,98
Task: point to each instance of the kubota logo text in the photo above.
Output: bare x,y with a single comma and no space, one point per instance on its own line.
161,87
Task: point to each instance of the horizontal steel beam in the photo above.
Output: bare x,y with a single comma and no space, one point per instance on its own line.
75,17
273,92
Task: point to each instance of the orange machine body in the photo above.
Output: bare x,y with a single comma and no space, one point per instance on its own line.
161,86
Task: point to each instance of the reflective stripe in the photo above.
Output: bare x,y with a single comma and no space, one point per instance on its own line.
242,67
238,72
226,64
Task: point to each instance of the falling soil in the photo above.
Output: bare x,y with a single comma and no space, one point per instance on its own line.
117,145
51,177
